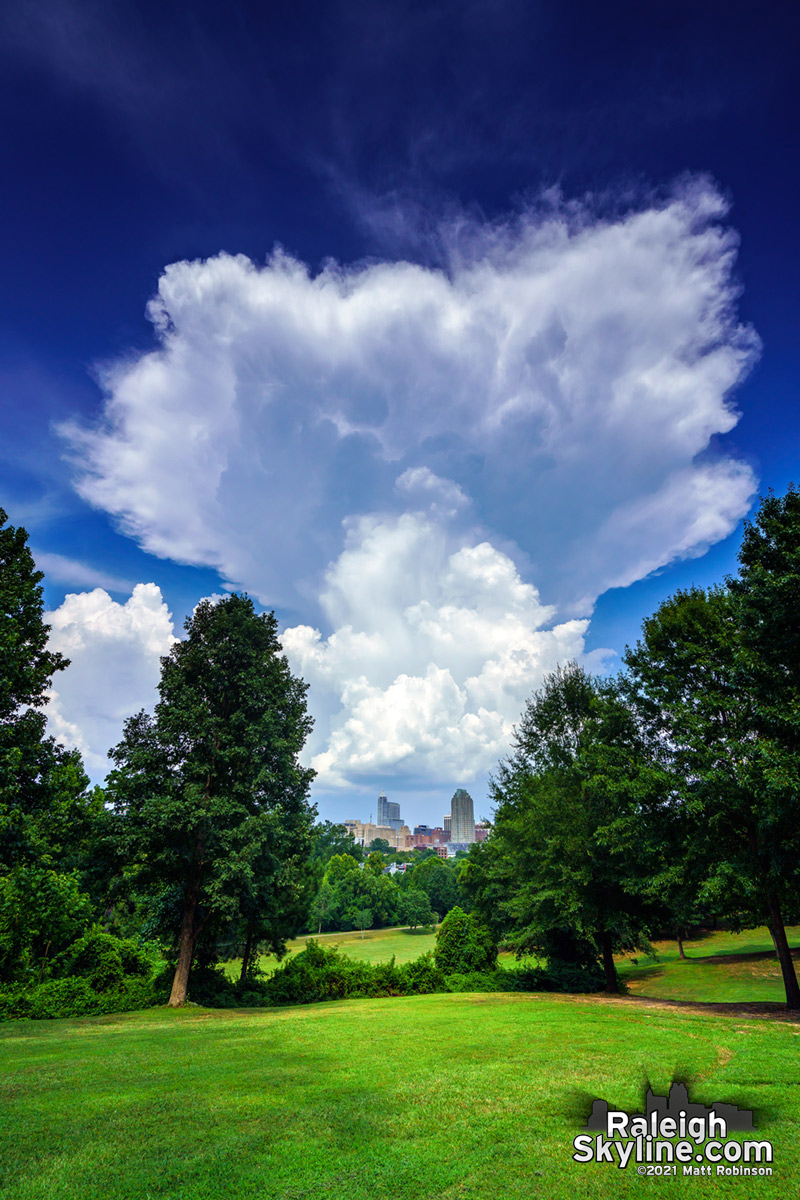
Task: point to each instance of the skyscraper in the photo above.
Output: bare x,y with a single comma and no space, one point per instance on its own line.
462,817
389,813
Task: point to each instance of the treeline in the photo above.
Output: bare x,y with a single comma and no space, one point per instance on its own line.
355,893
656,800
203,832
669,795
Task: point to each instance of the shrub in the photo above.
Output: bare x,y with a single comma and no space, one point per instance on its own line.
319,973
104,960
76,998
423,976
462,945
478,981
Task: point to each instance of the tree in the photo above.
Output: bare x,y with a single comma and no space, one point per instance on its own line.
561,873
463,944
43,809
209,792
375,863
323,906
381,845
330,839
360,917
415,908
439,881
734,815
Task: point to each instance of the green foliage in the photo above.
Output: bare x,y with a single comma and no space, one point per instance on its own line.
319,973
562,872
423,976
439,880
375,863
708,678
414,908
330,839
43,810
463,945
104,960
75,997
41,913
209,791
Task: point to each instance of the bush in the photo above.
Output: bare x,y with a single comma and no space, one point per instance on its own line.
77,998
319,973
462,945
478,981
104,960
423,976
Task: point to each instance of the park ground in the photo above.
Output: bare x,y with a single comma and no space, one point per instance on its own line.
444,1096
720,966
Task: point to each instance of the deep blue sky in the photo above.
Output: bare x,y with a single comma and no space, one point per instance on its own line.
136,135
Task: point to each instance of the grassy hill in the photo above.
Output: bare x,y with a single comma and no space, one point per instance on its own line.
411,1098
722,966
376,945
726,967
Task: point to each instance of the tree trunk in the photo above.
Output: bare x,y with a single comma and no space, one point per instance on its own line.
608,964
248,946
180,984
778,932
681,950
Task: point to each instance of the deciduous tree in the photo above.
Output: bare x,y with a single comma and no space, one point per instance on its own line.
209,790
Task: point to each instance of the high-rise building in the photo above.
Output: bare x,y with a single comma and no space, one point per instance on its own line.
462,824
446,823
388,813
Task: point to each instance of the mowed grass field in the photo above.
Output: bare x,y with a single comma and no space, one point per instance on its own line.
723,967
449,1096
376,945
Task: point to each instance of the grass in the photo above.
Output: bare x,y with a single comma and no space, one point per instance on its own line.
456,1096
377,945
723,967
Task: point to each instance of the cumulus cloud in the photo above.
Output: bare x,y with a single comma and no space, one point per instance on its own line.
114,651
546,409
437,641
566,371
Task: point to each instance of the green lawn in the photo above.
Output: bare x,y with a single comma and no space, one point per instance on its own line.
722,966
376,945
725,967
410,1098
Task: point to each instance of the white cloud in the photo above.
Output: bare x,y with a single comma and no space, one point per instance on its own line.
546,409
436,644
568,371
114,651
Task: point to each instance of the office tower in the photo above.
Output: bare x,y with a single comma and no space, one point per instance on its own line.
447,823
389,813
462,825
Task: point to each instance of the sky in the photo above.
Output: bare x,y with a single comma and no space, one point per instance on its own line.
459,334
